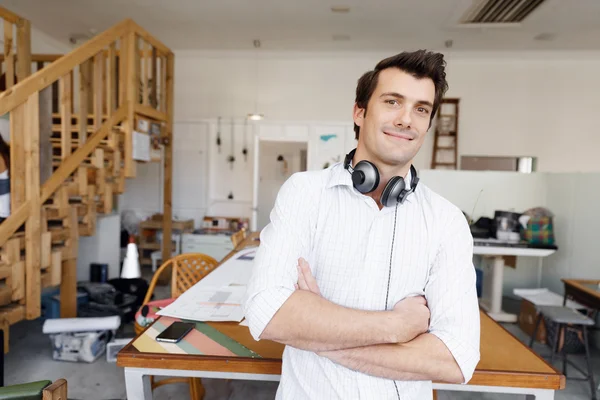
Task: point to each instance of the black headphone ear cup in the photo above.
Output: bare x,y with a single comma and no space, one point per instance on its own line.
365,177
395,186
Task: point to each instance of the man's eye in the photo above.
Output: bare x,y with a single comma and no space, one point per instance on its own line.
423,110
392,102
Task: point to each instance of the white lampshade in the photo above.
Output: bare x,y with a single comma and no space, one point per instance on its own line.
131,265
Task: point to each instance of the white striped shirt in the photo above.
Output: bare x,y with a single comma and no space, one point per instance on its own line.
347,239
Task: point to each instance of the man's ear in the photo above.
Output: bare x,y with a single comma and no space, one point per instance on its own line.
358,114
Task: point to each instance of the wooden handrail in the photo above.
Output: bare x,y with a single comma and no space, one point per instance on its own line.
10,16
37,57
151,112
13,222
160,46
45,77
70,164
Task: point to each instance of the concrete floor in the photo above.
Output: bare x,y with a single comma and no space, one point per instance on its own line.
30,358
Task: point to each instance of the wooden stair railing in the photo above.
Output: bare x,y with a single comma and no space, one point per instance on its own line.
103,87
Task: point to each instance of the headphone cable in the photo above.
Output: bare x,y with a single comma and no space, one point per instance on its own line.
390,277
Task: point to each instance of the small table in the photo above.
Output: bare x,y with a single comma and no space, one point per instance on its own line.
584,291
492,291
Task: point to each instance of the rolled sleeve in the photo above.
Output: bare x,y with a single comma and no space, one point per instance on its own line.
452,297
285,239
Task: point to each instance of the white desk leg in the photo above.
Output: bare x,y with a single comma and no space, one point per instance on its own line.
541,395
494,308
137,385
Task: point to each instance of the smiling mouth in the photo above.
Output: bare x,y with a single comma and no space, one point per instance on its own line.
397,135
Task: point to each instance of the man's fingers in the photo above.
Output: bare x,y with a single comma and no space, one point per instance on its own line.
309,278
301,281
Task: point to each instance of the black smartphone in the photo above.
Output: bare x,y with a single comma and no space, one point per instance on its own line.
175,332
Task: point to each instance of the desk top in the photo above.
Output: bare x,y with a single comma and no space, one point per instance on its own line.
505,361
511,251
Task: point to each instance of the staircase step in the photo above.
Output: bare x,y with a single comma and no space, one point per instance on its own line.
12,313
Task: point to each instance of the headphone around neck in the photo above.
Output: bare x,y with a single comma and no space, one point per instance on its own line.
365,178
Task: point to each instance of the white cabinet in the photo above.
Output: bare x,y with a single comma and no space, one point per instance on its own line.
215,245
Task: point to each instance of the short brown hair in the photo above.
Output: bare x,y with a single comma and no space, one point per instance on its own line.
420,64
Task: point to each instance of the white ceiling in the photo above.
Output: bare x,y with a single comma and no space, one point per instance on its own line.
309,25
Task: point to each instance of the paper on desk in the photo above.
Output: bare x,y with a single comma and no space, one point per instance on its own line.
544,297
208,303
62,325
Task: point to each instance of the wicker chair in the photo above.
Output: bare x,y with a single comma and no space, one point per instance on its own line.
186,270
238,237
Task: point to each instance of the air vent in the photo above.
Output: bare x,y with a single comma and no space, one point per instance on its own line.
500,11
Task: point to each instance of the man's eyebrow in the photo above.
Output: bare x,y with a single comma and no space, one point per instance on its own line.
401,97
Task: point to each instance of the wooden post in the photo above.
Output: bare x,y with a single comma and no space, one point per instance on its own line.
17,155
98,90
23,49
153,95
168,166
32,193
132,87
84,90
66,105
146,52
9,56
111,75
163,84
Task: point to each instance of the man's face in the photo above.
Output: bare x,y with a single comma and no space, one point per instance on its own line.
397,117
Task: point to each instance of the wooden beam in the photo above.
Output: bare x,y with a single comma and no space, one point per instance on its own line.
149,38
168,166
38,58
146,74
132,97
23,50
17,155
111,80
68,289
71,163
85,88
163,84
9,56
151,113
66,104
9,16
32,226
44,78
12,223
154,93
98,90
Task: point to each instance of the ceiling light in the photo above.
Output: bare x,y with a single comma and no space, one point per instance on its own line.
255,117
340,9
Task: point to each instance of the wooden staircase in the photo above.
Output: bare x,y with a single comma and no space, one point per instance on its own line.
100,90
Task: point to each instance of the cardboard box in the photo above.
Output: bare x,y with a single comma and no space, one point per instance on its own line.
79,346
527,319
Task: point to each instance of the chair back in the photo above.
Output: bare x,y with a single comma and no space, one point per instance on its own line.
186,270
238,237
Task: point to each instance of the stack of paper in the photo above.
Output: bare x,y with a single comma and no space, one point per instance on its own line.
208,304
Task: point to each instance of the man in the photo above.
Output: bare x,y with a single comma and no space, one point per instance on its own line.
366,276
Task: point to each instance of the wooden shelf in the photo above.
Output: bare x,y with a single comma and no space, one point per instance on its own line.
153,246
175,225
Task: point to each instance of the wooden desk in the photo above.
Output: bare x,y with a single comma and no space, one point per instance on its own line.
585,292
506,365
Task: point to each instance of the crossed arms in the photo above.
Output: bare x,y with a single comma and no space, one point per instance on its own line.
437,339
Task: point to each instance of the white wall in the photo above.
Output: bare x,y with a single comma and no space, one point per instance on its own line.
273,174
511,104
103,247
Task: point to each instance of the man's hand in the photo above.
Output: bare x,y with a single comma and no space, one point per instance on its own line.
414,316
305,279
